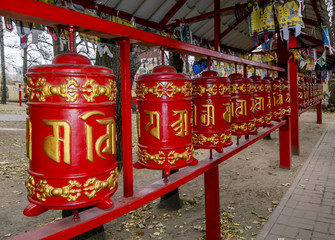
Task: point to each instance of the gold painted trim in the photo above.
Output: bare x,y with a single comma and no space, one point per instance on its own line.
73,190
244,127
160,90
214,139
70,90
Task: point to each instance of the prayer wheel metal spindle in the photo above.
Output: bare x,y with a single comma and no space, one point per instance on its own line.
242,105
262,98
71,135
211,112
164,120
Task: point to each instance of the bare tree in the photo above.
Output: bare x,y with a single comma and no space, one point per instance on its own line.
3,68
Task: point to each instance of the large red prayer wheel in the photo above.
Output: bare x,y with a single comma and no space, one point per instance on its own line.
262,98
71,137
164,120
285,91
242,105
211,112
276,99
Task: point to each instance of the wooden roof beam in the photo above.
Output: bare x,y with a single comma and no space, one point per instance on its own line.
170,14
235,24
316,11
311,39
311,22
111,11
206,15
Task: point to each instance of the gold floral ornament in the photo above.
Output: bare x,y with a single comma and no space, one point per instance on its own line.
29,89
244,127
30,185
143,156
215,139
96,186
243,88
95,90
173,157
262,87
160,89
67,192
68,90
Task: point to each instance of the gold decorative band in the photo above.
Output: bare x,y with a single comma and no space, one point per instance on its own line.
214,139
284,111
243,88
263,87
285,86
73,190
276,114
70,90
160,89
244,127
160,157
213,90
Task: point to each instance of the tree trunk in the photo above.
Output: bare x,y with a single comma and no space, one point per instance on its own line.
331,85
114,64
135,63
3,68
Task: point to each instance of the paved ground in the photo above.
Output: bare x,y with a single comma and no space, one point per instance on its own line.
307,210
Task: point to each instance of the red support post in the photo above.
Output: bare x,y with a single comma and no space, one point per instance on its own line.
292,73
212,201
319,112
126,117
217,25
285,152
20,95
72,39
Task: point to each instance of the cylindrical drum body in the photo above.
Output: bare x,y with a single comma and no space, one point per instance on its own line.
211,112
71,136
276,99
164,120
301,93
285,91
262,100
242,105
307,95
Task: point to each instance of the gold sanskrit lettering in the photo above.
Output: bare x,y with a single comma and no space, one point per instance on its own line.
241,110
109,137
181,124
208,116
51,144
155,131
29,139
259,103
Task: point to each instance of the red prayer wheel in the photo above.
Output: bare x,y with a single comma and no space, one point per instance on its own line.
71,137
211,112
301,93
242,105
276,99
164,120
262,98
307,95
285,91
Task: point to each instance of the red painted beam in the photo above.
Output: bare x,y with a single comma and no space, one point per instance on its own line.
49,15
235,24
170,14
285,149
67,228
316,11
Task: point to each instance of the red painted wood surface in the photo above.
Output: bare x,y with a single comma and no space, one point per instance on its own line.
89,219
212,203
38,12
285,152
292,70
126,117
